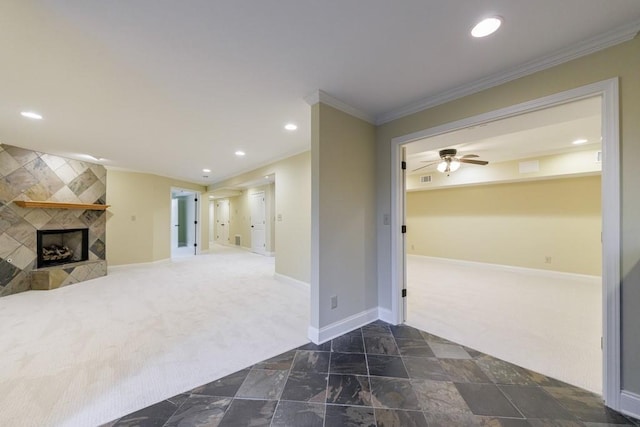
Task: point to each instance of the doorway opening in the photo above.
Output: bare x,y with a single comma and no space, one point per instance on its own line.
606,92
185,229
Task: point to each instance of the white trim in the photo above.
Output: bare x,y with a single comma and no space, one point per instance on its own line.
630,403
550,274
343,326
290,280
325,98
611,210
586,47
611,252
386,315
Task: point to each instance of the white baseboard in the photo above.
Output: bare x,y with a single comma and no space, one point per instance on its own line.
136,264
341,327
510,268
290,280
386,315
630,404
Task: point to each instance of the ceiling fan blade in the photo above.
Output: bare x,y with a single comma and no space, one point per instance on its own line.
468,156
474,162
421,167
431,162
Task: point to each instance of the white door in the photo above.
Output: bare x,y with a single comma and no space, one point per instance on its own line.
222,222
258,229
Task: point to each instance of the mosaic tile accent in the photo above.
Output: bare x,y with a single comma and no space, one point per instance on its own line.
31,175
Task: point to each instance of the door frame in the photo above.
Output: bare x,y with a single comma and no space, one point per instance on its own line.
611,211
196,217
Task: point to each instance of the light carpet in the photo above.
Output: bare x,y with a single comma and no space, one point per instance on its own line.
89,353
550,324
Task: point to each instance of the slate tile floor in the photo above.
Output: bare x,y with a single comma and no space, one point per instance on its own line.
385,376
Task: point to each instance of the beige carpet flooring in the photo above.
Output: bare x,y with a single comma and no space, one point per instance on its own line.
551,325
88,353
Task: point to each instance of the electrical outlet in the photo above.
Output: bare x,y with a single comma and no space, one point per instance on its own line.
334,302
547,260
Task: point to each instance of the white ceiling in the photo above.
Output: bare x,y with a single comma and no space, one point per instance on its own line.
538,133
171,87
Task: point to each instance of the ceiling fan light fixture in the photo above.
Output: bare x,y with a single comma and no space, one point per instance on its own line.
442,166
454,165
486,27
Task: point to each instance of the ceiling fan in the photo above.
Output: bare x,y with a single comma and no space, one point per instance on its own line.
450,163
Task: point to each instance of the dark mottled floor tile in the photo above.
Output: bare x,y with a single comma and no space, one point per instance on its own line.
405,331
501,372
305,387
414,347
501,422
398,418
386,366
381,345
457,419
311,361
349,416
349,390
280,362
255,413
296,414
348,343
226,386
376,329
487,400
263,384
151,416
440,397
427,368
434,338
534,402
586,406
393,393
316,347
348,363
200,411
449,351
542,422
463,370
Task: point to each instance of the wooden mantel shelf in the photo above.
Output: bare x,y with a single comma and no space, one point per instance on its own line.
59,205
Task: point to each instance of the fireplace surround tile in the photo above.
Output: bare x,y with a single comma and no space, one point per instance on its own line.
31,175
7,163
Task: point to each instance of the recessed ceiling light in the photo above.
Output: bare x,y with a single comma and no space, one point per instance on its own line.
290,126
486,27
31,115
206,170
579,141
240,153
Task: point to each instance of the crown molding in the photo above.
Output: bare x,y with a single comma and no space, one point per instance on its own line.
325,98
586,47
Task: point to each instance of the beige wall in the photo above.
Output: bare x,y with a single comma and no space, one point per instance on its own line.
139,221
621,61
343,207
293,204
518,224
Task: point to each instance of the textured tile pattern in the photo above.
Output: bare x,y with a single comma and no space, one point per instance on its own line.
364,383
30,175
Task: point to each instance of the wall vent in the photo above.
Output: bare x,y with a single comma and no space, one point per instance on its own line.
238,241
425,179
598,156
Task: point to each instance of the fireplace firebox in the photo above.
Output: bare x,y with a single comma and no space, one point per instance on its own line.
57,247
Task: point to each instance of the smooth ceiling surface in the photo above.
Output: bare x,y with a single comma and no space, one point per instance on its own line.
172,87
